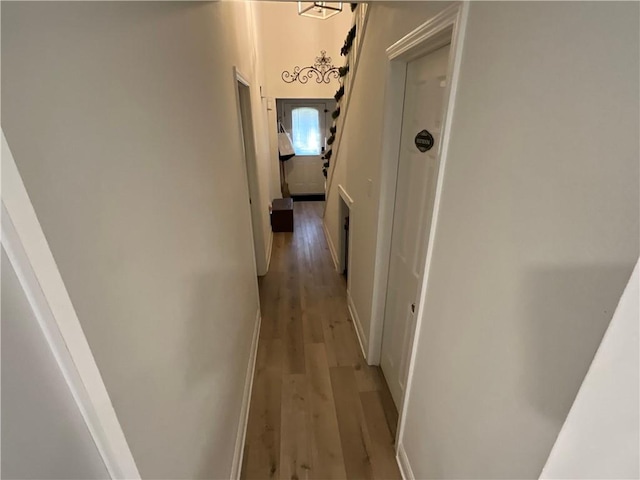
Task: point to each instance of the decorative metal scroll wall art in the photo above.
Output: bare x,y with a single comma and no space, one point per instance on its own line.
323,71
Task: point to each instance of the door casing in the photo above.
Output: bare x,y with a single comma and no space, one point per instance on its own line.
447,27
413,211
245,119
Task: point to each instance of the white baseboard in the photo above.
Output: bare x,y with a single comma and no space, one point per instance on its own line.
362,339
332,247
403,463
246,399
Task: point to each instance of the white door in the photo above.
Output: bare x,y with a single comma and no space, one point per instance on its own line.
415,193
307,123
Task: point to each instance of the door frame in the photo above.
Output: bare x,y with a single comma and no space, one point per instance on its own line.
347,201
281,105
447,27
247,143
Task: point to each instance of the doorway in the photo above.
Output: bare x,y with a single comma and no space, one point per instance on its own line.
414,200
250,168
344,213
424,63
307,122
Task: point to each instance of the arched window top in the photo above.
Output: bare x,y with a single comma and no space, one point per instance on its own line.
305,131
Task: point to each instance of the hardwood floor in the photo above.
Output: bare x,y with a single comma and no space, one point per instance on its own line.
318,411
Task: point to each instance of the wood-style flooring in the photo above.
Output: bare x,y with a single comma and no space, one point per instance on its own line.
318,411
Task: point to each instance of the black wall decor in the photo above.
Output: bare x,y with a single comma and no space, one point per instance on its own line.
342,72
348,43
323,71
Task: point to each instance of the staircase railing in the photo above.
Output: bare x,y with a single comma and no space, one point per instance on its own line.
360,17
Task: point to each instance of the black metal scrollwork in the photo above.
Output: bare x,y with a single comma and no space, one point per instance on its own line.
323,71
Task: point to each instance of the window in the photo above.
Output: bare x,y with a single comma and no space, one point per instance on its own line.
305,131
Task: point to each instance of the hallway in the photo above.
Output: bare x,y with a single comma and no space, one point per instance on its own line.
317,409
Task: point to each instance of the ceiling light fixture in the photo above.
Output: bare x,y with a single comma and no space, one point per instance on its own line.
321,10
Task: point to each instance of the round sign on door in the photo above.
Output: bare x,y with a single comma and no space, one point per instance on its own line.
424,141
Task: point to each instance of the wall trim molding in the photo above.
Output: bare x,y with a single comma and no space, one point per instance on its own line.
238,453
428,37
345,196
357,324
28,251
332,248
403,463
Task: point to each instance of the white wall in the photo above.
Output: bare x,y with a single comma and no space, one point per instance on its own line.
538,228
601,437
536,238
288,40
43,432
362,139
122,119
